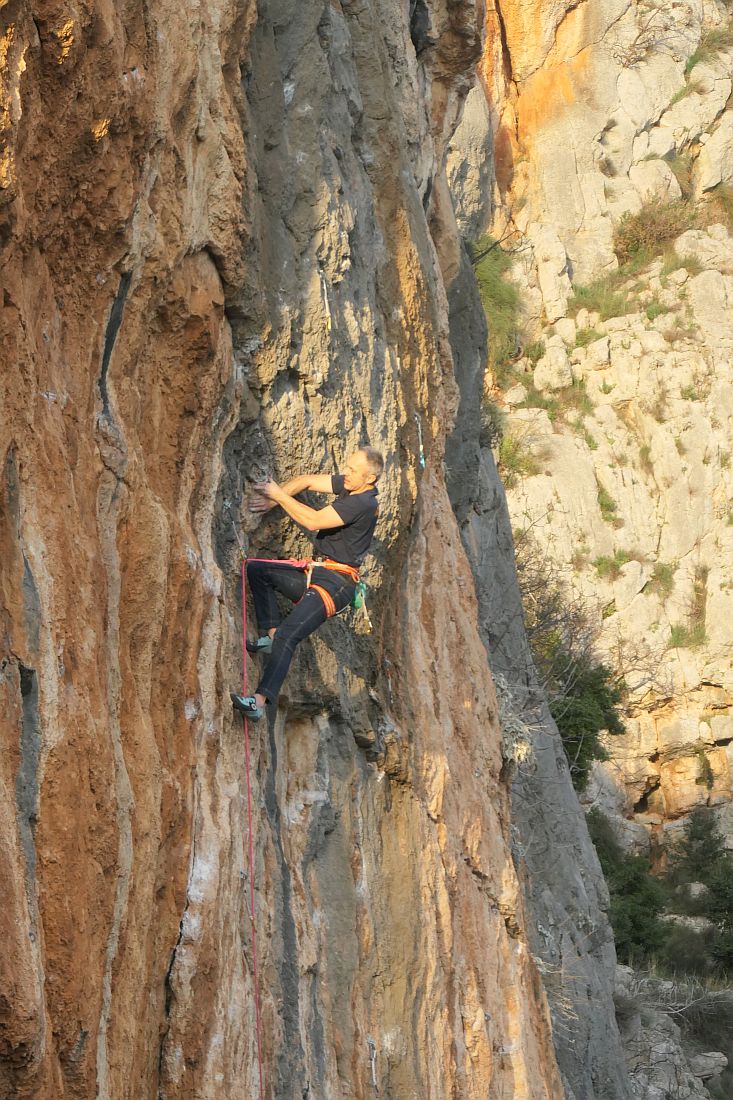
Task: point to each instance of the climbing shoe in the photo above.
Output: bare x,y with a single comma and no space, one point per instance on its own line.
262,645
247,706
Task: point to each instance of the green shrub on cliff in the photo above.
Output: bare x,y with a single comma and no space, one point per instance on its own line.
588,704
637,898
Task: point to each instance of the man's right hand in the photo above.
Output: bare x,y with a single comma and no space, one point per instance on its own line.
260,503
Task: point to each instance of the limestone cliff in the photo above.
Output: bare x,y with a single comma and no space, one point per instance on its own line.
632,495
228,244
586,116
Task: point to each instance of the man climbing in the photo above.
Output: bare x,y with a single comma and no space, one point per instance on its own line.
343,532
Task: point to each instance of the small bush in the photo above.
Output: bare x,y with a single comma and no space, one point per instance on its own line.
493,420
585,336
643,235
645,456
515,461
607,504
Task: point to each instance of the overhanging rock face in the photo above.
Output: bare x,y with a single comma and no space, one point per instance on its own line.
227,241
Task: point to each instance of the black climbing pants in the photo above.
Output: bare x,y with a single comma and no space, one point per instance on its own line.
265,580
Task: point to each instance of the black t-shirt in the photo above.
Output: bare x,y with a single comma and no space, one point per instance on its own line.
349,544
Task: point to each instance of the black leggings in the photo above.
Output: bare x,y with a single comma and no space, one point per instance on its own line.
267,578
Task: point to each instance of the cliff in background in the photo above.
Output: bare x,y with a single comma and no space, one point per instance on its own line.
229,249
625,408
597,148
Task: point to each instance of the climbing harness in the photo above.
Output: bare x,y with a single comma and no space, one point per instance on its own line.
250,869
307,565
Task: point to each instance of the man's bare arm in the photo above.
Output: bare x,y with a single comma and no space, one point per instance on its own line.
313,519
317,483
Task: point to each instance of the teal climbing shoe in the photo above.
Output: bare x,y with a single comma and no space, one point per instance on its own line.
247,705
262,645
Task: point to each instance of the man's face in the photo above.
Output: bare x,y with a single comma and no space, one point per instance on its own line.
356,474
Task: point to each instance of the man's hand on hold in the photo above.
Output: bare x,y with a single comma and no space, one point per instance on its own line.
263,498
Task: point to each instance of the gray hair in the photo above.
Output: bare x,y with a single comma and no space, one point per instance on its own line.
375,461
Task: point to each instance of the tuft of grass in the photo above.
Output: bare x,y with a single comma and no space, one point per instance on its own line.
662,580
590,441
575,396
609,568
607,387
655,309
502,305
645,456
718,206
682,165
602,297
644,235
724,460
535,351
682,636
673,262
537,400
607,505
585,336
712,42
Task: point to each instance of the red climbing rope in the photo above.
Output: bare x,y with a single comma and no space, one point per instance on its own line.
251,844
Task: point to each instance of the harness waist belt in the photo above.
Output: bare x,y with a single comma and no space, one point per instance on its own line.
338,567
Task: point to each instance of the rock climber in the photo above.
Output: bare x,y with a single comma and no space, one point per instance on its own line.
343,532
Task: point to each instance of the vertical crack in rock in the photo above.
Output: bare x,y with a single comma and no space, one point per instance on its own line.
113,327
505,51
168,980
108,508
26,784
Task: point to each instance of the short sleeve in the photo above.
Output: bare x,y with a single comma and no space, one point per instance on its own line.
337,483
351,507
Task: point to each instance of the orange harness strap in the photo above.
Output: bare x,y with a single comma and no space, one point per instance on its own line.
327,599
339,567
